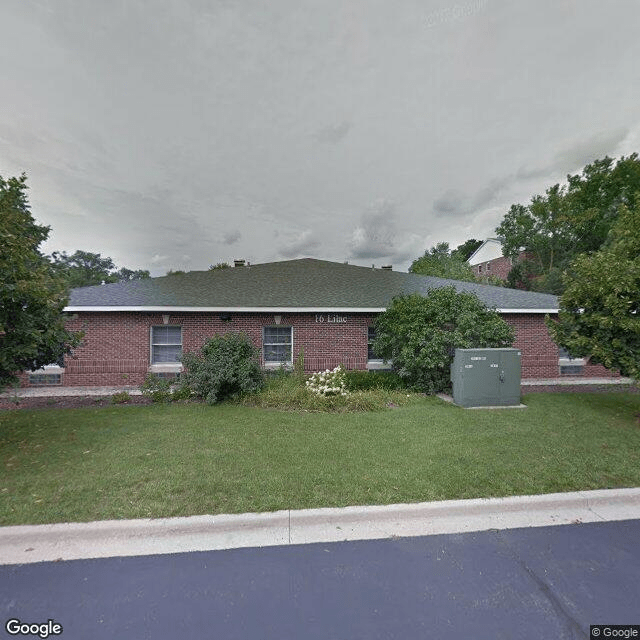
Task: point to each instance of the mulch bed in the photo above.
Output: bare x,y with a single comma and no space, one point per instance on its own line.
67,402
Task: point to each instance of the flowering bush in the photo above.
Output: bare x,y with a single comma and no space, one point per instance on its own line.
331,382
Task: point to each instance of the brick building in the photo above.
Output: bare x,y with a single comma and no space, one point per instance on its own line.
487,260
322,309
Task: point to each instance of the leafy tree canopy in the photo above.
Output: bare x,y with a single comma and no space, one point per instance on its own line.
440,262
599,313
467,248
568,220
84,269
219,265
32,294
418,334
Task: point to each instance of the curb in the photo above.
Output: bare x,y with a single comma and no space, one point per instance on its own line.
115,538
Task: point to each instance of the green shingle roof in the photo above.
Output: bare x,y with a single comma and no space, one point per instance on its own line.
291,284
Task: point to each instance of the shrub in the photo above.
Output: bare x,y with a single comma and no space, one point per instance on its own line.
120,398
226,366
156,388
367,380
328,383
419,334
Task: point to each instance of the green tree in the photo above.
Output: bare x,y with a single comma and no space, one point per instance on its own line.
219,265
595,197
84,269
599,315
542,229
32,295
418,334
467,248
442,263
568,220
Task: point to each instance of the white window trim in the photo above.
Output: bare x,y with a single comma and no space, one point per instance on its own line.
571,362
49,368
158,367
166,367
277,365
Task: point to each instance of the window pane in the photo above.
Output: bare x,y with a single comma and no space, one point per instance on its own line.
166,335
277,335
277,353
166,353
371,334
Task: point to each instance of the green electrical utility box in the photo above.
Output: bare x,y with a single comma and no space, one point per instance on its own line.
486,377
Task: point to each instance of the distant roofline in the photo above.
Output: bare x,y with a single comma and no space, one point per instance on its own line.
484,242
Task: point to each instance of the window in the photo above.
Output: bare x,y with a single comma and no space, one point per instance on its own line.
45,379
49,375
374,361
371,336
166,344
569,366
276,345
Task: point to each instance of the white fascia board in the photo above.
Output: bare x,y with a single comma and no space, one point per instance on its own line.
77,309
527,310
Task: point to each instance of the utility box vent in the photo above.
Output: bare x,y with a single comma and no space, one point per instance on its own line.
486,377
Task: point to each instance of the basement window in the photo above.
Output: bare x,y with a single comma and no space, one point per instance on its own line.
48,376
45,379
569,366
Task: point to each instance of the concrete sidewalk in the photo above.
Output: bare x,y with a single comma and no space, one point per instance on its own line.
28,544
54,391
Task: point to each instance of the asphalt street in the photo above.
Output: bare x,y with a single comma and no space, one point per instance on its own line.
544,582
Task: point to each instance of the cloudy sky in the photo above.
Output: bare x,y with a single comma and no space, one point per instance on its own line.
180,133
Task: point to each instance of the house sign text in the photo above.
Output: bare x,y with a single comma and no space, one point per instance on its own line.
330,318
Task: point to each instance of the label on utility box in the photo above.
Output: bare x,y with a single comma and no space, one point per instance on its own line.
468,366
478,358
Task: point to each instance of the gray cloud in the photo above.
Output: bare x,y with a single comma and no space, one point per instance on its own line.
231,237
585,151
455,204
306,243
577,155
333,133
452,202
212,127
375,235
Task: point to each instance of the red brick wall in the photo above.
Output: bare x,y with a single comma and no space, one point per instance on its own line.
499,267
539,352
116,346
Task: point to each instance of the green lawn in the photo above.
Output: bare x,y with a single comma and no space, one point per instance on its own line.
170,460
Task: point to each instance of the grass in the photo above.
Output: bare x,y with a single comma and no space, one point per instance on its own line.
186,459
